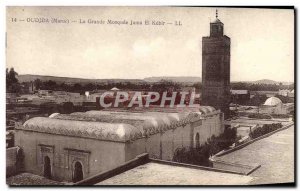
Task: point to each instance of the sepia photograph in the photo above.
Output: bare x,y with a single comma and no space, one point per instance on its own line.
150,96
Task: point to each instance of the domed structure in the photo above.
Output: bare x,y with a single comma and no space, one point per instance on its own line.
217,21
272,101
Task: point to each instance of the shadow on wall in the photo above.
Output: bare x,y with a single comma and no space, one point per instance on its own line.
14,161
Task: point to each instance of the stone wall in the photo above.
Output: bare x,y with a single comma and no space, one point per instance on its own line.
94,155
164,144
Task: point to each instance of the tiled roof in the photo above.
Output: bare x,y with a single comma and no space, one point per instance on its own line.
103,131
113,126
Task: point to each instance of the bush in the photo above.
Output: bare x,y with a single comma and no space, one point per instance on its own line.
267,128
280,115
259,116
200,156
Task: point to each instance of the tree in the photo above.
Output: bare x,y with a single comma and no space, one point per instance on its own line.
89,87
77,87
50,85
37,83
12,82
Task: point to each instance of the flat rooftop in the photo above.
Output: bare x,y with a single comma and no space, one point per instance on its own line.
250,121
153,173
275,154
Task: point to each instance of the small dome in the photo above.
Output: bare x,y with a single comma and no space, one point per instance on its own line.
272,101
53,115
206,109
217,21
115,89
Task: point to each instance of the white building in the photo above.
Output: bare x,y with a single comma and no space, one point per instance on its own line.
274,105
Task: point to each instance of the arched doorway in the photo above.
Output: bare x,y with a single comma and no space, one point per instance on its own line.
78,173
197,140
47,167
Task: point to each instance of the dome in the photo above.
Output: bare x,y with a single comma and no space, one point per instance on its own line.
115,89
217,21
206,109
272,101
53,115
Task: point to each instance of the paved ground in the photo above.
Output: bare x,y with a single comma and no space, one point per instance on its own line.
29,179
162,174
275,154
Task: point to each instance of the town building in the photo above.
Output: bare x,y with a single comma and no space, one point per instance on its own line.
240,97
274,105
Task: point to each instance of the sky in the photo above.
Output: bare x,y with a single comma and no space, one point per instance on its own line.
262,42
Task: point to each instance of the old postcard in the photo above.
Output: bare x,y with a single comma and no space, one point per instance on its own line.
150,96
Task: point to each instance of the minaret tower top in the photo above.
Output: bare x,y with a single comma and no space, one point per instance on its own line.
216,27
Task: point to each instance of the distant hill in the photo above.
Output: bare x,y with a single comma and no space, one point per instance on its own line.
59,80
267,81
180,79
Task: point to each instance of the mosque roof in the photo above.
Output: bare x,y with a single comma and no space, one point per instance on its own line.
272,101
113,125
103,131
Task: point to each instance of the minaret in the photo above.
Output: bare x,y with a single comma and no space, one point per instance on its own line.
216,68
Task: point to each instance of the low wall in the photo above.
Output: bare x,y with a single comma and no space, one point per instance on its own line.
139,160
241,168
236,167
251,141
196,166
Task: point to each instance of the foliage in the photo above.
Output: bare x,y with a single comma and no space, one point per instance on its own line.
284,99
163,85
267,128
257,100
12,83
197,85
259,87
280,115
259,116
37,83
200,156
292,114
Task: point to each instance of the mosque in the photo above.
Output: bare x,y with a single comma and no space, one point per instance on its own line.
72,147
